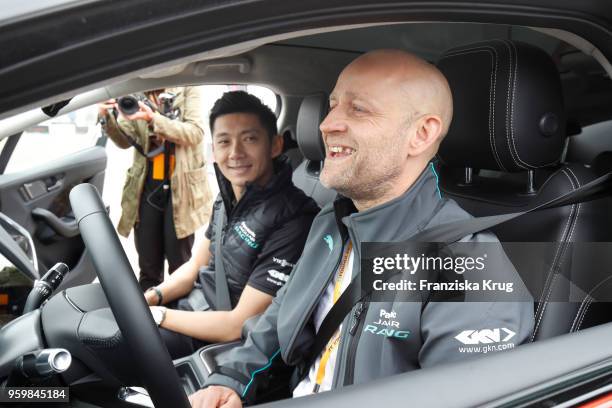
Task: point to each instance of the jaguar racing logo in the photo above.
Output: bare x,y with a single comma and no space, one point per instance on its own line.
387,325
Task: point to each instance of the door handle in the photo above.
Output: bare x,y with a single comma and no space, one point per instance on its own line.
58,184
66,229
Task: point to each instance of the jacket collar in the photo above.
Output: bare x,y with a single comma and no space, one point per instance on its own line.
279,180
394,220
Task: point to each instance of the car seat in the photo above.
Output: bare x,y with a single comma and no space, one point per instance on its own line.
312,112
503,154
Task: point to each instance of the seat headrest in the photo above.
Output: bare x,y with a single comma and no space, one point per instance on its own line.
508,107
312,112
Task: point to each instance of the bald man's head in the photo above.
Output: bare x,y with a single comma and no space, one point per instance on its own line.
425,88
388,113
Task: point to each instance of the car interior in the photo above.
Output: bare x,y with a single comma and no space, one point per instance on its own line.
531,122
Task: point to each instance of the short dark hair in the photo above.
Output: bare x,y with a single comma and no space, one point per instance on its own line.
243,102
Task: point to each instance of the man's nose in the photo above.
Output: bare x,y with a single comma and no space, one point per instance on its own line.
333,122
236,150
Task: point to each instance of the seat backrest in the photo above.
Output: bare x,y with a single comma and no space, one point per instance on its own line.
312,112
503,154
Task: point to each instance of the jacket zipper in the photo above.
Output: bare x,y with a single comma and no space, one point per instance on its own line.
355,330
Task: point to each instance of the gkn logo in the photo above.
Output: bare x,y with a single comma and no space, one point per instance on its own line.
485,336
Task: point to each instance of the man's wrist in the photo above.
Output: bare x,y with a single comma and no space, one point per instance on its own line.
158,293
159,314
103,117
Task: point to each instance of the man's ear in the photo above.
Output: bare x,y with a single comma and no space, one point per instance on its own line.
277,146
426,134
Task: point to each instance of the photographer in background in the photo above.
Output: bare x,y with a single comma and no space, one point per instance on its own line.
166,196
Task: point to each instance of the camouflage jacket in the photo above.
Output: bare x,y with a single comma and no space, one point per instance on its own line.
191,195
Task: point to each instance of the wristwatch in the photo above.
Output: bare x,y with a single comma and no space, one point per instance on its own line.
158,292
159,314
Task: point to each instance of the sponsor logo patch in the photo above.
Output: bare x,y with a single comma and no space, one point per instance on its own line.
485,340
276,277
387,325
485,336
246,234
282,262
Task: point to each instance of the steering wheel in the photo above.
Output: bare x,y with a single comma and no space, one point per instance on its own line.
126,300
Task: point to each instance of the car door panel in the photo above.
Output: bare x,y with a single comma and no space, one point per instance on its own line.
37,199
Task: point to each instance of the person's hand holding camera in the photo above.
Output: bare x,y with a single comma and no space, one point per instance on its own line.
104,107
144,113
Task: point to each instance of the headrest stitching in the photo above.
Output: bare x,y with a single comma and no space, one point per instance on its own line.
508,107
514,87
514,82
493,85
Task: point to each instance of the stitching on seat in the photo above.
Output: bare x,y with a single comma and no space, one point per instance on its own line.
514,87
514,81
541,315
586,310
582,304
585,301
508,111
577,208
542,307
565,229
588,299
492,93
575,222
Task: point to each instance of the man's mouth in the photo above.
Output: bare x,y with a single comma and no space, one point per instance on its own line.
240,168
338,152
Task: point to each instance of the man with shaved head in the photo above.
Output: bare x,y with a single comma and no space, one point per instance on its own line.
389,112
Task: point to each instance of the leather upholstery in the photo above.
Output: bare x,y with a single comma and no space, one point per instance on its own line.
500,89
306,177
312,112
514,142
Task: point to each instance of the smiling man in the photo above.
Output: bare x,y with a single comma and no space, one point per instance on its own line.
389,111
264,223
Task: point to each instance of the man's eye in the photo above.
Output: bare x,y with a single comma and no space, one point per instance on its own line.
358,108
251,138
222,142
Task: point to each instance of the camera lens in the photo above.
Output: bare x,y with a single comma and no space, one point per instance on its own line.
128,105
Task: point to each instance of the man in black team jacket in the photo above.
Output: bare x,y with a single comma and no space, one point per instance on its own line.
266,222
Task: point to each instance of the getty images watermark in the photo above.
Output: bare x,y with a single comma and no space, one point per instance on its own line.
427,265
483,271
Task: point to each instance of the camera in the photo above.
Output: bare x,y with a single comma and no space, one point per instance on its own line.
128,105
166,101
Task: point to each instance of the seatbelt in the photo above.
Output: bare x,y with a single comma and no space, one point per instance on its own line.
446,233
221,289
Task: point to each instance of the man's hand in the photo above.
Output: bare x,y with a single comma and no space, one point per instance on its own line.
103,107
151,297
144,113
215,396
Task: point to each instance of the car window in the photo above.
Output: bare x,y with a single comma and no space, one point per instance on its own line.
55,138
